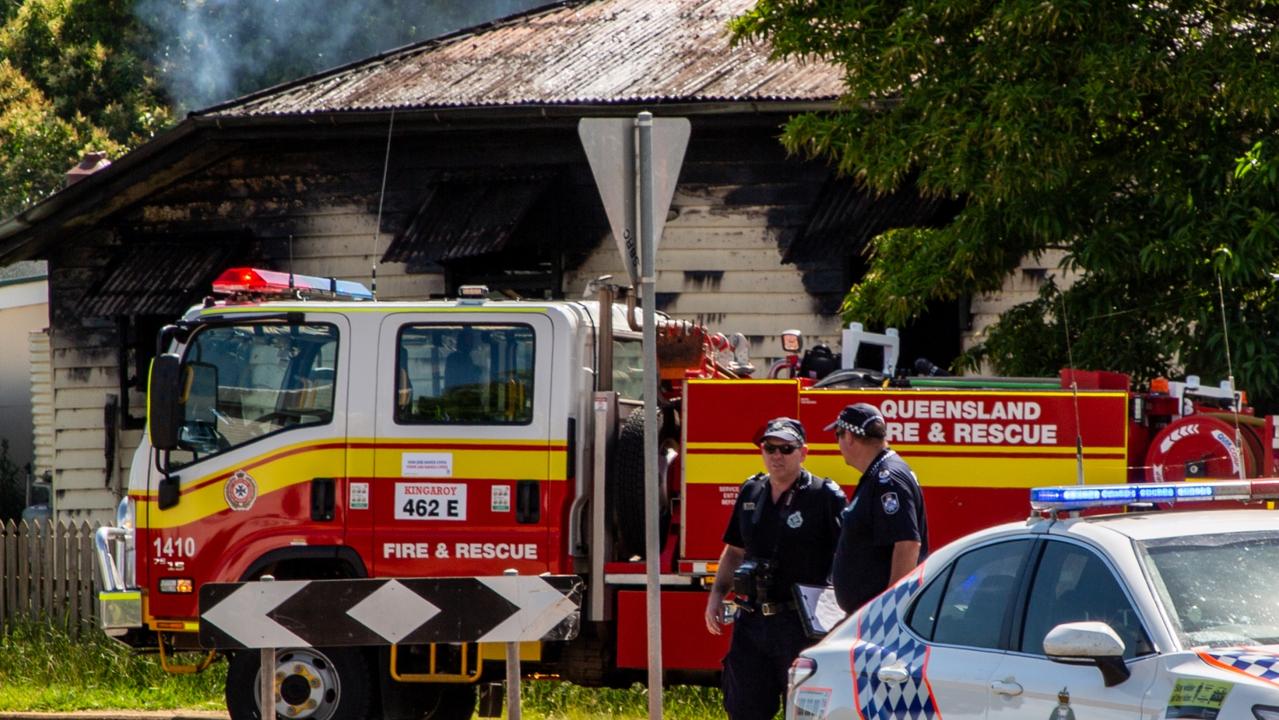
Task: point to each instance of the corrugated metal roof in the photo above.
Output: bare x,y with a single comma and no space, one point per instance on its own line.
463,218
158,278
601,52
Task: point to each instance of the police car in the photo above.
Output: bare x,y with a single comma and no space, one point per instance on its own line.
1149,614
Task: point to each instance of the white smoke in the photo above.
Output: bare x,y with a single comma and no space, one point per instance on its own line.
209,51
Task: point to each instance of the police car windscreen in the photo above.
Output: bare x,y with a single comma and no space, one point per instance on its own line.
1221,589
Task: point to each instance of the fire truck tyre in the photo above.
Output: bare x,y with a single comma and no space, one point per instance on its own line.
312,683
450,702
625,496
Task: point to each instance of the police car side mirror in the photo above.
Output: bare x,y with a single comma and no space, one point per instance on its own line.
1097,643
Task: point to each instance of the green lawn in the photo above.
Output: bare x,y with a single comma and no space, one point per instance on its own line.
43,669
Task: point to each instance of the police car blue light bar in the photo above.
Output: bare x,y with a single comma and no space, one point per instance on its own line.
1079,497
271,282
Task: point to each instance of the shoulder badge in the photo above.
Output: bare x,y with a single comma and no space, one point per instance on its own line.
890,502
884,476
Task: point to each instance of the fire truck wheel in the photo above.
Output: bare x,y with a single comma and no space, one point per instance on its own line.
450,702
312,683
625,494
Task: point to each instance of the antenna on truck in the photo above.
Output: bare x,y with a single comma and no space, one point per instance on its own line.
1074,391
1230,368
377,231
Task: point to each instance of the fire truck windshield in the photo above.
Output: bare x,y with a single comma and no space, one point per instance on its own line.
244,382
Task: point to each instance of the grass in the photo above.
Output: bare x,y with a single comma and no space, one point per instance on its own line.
42,668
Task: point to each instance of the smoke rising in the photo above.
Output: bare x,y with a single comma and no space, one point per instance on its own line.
209,51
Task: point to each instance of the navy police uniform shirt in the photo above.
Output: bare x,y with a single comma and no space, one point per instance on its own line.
887,507
798,533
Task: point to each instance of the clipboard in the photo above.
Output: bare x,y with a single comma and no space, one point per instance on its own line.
819,613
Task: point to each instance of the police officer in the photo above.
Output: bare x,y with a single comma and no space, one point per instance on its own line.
884,530
783,531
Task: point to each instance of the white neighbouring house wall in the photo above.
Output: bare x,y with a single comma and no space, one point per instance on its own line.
24,309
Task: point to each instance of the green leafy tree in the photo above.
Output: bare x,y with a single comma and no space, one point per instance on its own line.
73,78
1138,137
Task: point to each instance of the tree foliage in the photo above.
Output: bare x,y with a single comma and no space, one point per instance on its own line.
1140,137
73,78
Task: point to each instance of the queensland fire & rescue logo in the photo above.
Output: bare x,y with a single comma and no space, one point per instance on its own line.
240,491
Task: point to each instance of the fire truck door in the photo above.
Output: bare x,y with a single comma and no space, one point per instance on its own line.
262,445
462,479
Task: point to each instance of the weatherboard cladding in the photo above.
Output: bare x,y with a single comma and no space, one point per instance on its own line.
603,52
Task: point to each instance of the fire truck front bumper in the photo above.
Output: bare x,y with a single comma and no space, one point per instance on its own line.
120,600
119,610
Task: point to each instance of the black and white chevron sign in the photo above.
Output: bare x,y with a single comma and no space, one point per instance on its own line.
326,613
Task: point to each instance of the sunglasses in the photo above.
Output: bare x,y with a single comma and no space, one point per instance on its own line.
774,449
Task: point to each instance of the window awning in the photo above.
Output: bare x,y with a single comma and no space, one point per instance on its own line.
467,217
159,278
845,218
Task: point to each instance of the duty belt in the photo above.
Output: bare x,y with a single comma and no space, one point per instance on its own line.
769,609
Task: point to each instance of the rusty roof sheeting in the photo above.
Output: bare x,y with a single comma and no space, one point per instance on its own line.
601,52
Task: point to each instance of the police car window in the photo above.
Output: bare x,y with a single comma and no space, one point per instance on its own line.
244,382
464,375
923,616
1073,584
977,597
1220,589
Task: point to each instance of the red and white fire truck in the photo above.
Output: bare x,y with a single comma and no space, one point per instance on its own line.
300,430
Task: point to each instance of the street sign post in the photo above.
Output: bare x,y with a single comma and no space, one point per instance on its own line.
636,164
612,149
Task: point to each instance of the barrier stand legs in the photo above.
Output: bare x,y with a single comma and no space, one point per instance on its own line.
266,684
512,673
266,678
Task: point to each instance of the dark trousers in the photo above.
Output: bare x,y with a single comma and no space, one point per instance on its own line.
755,667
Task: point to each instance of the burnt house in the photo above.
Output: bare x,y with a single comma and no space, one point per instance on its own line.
455,161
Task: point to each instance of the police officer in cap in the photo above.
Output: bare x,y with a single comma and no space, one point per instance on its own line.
884,530
783,531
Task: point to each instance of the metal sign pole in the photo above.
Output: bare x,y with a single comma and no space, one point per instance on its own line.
512,672
648,285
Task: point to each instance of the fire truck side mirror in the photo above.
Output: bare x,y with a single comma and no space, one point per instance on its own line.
162,401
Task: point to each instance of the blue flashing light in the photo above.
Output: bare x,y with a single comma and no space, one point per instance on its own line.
1079,497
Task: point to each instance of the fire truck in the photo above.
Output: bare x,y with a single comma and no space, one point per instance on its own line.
300,430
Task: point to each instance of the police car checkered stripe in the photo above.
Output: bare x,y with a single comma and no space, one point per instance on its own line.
880,642
1260,664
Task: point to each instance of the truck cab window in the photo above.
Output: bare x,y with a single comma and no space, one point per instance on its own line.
464,374
244,382
628,367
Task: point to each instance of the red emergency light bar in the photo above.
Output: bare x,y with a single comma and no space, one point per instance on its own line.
270,282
